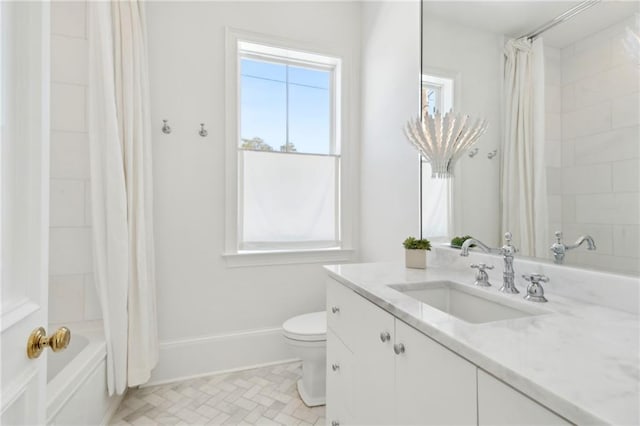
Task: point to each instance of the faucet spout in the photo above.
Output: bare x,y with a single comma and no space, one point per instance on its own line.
591,244
464,250
559,249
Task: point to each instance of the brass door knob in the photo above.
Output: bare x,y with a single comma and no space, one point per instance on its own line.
38,340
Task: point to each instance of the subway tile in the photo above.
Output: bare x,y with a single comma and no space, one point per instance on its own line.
553,126
554,181
625,240
568,97
591,179
616,209
69,155
66,202
584,63
592,90
69,18
625,111
87,203
568,208
69,60
623,80
600,261
70,251
65,295
553,98
568,153
68,107
613,145
626,176
554,203
553,154
92,309
586,121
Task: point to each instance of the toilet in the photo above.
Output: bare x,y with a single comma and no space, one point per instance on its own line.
307,335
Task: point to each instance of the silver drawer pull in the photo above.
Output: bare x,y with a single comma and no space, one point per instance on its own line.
385,336
398,348
335,367
335,309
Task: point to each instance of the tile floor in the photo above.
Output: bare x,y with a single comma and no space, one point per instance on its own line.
261,396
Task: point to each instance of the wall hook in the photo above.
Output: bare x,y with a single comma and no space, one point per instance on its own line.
492,154
202,131
166,129
473,152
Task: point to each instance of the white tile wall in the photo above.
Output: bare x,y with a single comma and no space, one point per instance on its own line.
600,148
72,296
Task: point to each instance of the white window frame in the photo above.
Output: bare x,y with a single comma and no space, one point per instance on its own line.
344,138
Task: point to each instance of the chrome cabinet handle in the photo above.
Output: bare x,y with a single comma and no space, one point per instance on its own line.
335,423
335,309
335,367
385,336
398,348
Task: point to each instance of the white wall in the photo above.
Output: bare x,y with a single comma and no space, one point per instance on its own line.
600,149
72,295
212,317
390,96
476,56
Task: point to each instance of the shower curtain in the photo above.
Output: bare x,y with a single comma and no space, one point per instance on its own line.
121,190
523,173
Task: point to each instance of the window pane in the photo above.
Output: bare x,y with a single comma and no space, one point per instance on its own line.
309,77
263,113
309,119
288,200
262,69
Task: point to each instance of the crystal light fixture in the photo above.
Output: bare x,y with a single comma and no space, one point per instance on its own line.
442,140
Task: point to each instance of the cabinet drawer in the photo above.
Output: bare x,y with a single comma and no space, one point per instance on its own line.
342,317
340,381
500,404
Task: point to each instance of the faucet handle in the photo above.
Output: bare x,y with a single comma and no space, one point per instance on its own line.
535,291
558,237
482,278
481,266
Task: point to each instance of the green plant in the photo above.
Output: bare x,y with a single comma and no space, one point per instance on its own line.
458,241
413,244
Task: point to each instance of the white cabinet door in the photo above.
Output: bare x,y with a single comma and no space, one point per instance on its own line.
24,208
499,404
374,366
434,386
340,375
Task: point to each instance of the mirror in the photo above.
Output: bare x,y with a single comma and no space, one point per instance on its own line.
580,173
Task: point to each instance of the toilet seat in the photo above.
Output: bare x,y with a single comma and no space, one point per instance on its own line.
307,328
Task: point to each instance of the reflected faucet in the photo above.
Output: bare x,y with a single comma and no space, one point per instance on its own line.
507,251
559,249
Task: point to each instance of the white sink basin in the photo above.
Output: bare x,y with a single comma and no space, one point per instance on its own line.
467,303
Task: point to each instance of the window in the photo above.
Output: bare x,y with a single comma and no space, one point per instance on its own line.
436,193
286,142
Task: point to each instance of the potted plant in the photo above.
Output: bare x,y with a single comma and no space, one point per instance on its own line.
416,252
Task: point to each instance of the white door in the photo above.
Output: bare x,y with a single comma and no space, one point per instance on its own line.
24,206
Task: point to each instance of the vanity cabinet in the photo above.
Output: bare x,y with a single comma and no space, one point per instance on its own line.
499,404
396,375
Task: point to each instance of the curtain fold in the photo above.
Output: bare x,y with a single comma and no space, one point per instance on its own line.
122,191
523,173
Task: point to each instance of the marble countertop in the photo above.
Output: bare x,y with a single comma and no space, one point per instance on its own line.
580,360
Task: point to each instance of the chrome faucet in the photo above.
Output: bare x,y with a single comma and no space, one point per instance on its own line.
507,251
559,249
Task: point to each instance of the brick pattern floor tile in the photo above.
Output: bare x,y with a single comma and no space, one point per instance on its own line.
260,396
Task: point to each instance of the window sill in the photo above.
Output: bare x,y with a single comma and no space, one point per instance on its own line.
287,257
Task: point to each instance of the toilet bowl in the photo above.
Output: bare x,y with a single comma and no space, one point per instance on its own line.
307,336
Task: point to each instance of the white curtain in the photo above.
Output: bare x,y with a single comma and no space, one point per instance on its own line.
121,190
523,173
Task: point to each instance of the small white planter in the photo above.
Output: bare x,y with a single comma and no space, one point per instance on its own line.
416,259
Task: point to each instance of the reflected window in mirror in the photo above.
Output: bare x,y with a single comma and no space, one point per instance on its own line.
436,193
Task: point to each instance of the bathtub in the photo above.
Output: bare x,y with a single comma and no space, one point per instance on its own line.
76,380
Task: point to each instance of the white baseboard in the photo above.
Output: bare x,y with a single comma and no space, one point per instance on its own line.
203,356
